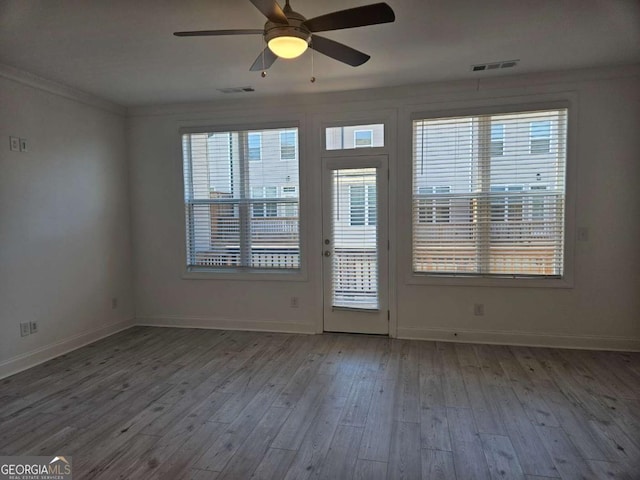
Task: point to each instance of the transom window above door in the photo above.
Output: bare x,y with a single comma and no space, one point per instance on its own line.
354,136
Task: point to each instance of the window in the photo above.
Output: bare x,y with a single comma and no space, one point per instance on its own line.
240,214
539,209
362,205
497,139
540,137
289,209
255,146
496,212
354,136
506,203
434,204
269,209
362,138
288,145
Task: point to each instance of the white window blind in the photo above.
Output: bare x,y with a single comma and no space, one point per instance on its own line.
502,211
355,238
241,200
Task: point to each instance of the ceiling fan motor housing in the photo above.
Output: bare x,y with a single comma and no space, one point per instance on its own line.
294,29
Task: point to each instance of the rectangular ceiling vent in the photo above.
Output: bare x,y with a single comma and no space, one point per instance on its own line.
494,65
236,90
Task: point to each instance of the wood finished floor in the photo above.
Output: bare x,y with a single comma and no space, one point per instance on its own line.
206,404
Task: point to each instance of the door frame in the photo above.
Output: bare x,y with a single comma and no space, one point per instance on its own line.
350,113
357,320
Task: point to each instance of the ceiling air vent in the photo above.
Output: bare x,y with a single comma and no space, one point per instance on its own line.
236,90
494,65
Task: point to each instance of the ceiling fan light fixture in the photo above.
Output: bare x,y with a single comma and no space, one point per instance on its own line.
288,46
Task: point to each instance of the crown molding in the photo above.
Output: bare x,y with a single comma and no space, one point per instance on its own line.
394,94
59,89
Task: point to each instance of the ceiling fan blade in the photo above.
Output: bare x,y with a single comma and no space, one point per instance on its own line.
207,33
352,17
264,60
338,51
271,10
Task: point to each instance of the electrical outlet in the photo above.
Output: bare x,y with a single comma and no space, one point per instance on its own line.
478,309
295,302
25,329
33,326
14,144
114,303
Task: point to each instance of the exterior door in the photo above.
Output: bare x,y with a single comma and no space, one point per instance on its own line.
355,244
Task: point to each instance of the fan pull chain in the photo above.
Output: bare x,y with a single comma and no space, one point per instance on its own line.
313,78
264,70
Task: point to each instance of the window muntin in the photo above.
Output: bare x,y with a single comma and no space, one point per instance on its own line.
241,214
354,136
506,212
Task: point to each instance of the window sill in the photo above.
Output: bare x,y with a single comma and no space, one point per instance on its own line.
254,275
480,281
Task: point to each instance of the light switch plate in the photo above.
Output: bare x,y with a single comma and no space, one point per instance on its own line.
23,144
14,144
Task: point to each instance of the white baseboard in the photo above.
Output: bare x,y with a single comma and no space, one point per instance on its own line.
225,324
31,359
584,342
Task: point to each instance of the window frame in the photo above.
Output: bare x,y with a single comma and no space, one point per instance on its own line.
491,106
231,124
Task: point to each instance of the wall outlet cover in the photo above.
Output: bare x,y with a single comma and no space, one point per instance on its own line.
14,144
33,327
25,329
23,144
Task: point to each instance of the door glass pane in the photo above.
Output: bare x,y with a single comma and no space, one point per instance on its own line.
355,239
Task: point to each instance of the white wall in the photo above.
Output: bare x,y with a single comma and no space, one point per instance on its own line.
65,247
602,309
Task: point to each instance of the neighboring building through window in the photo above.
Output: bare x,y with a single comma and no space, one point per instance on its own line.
267,209
540,137
362,205
254,145
497,139
434,204
288,145
502,211
363,138
241,214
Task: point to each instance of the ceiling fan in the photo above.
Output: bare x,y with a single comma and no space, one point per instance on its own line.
288,33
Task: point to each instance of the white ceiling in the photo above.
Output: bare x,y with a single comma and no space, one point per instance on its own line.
124,50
